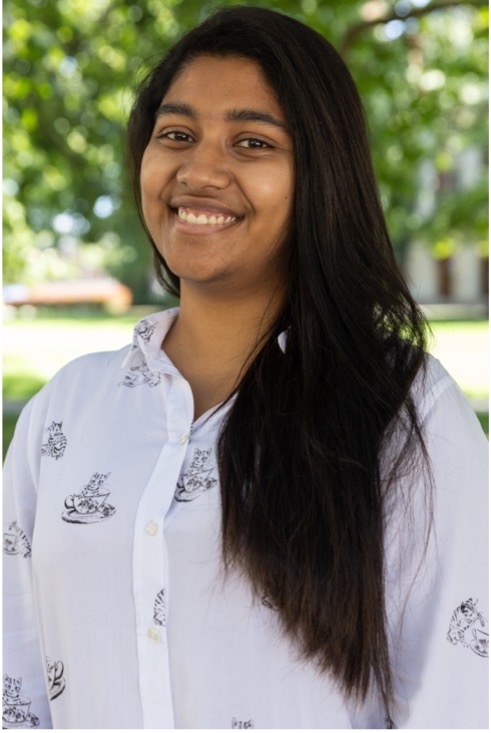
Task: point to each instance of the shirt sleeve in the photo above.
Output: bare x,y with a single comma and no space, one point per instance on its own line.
25,698
441,642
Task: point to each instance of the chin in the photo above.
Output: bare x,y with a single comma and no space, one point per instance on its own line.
196,276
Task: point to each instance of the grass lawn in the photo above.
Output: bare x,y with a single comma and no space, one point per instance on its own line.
462,347
35,349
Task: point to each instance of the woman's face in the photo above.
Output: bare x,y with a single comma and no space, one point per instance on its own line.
217,177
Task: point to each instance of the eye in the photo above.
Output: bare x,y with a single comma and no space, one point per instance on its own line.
253,143
177,136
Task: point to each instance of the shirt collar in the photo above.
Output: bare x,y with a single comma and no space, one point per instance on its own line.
148,336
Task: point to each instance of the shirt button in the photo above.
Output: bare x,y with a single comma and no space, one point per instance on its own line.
184,438
152,528
153,634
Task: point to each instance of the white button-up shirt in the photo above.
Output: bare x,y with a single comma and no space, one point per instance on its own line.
117,612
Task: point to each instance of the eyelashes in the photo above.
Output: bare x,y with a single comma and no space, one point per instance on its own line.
179,137
253,144
175,136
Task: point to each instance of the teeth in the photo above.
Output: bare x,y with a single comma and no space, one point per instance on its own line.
202,219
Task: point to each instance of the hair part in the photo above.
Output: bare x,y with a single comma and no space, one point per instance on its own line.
303,495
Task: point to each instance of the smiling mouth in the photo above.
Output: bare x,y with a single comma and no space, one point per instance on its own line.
202,218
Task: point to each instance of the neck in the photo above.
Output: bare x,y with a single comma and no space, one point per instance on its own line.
214,340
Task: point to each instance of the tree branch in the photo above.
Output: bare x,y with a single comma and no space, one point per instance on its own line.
359,28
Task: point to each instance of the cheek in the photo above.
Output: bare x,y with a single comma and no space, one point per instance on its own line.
147,182
153,175
150,190
280,191
274,195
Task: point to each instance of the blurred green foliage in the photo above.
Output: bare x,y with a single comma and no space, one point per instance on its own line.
71,67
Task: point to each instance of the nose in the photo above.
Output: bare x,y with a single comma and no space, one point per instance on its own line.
204,167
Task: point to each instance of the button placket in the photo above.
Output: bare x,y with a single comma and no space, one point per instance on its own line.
152,528
154,634
151,573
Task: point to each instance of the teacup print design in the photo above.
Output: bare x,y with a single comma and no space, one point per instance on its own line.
242,723
480,642
16,713
16,542
56,444
56,681
138,375
197,479
89,506
469,628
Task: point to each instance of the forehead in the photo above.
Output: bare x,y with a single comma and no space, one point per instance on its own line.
220,84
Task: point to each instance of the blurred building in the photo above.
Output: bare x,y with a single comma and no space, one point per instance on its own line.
459,272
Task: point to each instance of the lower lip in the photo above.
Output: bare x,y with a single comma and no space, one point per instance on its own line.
202,229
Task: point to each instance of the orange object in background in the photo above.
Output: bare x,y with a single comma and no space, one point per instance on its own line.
107,291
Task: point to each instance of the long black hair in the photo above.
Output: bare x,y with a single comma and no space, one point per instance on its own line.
304,496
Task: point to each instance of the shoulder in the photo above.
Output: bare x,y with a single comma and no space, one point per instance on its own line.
439,399
455,458
451,429
432,382
75,385
86,373
91,366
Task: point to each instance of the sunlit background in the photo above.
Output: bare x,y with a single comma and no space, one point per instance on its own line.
77,270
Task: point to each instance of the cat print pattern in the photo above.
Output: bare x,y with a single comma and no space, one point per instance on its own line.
145,330
139,375
16,706
469,628
242,724
159,609
56,443
16,542
90,505
56,680
198,477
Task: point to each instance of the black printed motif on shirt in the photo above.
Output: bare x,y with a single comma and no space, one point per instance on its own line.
56,443
265,601
90,504
469,628
145,330
242,723
139,375
16,706
159,609
198,477
16,542
56,680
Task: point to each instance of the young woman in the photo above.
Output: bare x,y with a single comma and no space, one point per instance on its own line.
269,511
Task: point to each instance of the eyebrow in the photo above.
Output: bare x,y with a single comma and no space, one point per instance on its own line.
176,108
252,115
234,115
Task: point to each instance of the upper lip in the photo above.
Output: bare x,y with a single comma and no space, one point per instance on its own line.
203,204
